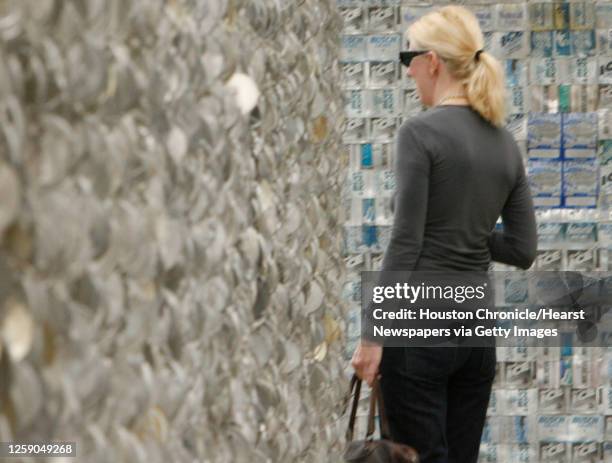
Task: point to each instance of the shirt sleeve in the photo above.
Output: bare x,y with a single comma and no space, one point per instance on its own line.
412,169
516,245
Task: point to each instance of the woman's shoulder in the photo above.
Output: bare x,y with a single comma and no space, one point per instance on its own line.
418,123
438,116
440,127
426,125
443,119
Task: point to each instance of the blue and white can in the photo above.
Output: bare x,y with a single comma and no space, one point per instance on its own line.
354,48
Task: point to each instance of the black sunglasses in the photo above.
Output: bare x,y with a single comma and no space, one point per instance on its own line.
407,56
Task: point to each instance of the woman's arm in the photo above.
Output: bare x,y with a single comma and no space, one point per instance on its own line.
412,168
517,243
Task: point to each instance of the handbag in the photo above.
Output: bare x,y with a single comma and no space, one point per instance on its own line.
370,450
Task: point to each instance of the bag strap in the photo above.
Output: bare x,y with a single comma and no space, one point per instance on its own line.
355,384
385,433
376,397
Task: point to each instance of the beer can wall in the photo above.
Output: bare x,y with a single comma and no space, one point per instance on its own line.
557,58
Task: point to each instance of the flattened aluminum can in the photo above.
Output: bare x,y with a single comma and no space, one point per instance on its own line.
353,48
369,236
521,402
544,131
586,452
566,371
485,16
604,120
353,241
586,428
368,210
352,210
353,74
584,43
383,236
353,19
543,71
352,151
548,370
385,183
412,103
490,452
358,181
605,96
517,126
542,44
382,19
384,47
543,99
383,154
604,41
383,128
563,43
580,180
584,98
383,73
541,16
565,98
582,15
605,195
552,401
603,15
355,130
519,374
516,72
584,400
561,15
409,14
584,70
553,452
608,436
539,98
356,105
517,100
605,70
361,156
563,70
511,16
511,45
385,102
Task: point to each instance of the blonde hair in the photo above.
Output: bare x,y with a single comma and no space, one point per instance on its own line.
454,34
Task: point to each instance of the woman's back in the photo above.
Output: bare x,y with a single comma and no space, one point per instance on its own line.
456,174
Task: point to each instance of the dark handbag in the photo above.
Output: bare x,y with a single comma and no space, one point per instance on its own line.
370,450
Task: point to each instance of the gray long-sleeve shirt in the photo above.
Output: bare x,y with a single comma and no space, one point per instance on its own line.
455,175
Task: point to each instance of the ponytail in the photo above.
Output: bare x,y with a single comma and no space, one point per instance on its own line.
486,89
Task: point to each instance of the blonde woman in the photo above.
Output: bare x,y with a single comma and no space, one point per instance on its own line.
457,170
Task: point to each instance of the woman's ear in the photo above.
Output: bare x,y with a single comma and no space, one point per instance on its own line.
434,64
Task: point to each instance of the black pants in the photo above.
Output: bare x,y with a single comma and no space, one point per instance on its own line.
436,399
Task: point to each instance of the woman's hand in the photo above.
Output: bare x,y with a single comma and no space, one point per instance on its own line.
366,360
